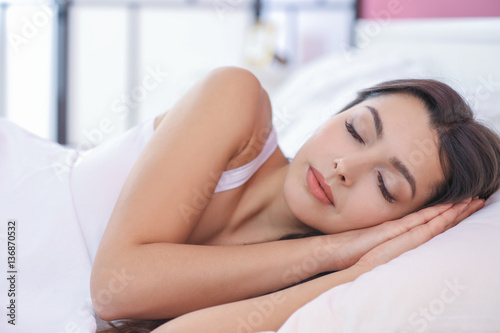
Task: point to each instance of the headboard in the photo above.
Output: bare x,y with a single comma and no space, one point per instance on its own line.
457,42
404,9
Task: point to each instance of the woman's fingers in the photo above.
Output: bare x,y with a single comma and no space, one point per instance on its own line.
419,234
352,245
473,207
438,224
424,215
397,227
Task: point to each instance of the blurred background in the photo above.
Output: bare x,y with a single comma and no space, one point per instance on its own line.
75,63
83,71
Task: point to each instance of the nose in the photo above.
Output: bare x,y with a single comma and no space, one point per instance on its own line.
348,169
338,168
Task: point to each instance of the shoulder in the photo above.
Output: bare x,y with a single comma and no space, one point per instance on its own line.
239,88
248,108
232,100
234,86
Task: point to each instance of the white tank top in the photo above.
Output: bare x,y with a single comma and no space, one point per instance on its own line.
62,199
236,177
98,176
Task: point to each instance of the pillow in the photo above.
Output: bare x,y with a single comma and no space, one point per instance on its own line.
320,89
449,284
316,92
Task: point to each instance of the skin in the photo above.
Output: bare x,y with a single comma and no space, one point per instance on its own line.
165,211
351,167
281,193
278,306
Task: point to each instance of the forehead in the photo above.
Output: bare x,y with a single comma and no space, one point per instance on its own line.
407,135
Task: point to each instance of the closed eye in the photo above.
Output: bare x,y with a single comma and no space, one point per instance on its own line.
350,128
383,189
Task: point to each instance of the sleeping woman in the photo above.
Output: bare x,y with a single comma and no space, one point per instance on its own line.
213,220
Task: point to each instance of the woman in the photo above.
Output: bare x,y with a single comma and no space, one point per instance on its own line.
397,166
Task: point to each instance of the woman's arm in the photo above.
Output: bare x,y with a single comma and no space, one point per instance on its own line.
264,313
142,268
269,312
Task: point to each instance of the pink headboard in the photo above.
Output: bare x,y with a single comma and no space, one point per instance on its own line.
384,9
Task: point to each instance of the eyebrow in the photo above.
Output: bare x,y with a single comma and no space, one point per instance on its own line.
396,162
379,128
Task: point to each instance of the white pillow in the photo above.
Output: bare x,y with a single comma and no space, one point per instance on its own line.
319,90
316,92
449,284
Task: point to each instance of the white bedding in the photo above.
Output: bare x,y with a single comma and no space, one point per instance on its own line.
449,284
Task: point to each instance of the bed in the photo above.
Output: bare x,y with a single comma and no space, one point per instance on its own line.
451,283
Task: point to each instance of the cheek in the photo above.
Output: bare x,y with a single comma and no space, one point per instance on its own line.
364,208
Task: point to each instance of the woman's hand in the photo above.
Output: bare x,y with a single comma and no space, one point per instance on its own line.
422,226
347,248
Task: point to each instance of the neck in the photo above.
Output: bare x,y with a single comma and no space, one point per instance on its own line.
266,211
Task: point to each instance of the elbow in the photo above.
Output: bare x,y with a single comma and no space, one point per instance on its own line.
103,300
109,292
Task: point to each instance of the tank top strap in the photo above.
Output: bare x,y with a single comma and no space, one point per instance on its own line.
234,178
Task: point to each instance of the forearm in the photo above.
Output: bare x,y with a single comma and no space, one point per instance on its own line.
272,310
164,280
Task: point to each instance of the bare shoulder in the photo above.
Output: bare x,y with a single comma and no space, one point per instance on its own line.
243,108
214,126
235,85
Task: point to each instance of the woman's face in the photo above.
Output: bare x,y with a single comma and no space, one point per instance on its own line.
372,163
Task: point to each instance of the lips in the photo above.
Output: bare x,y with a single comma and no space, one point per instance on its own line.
319,188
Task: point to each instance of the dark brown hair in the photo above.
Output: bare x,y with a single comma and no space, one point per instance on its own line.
469,153
132,326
